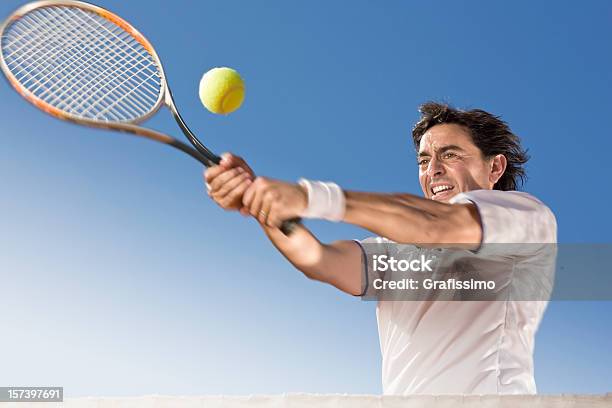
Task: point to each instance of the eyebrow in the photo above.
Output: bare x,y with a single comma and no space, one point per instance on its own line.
443,149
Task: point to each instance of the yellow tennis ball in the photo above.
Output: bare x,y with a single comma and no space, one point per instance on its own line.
221,90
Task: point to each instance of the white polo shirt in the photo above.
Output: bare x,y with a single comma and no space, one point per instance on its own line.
473,347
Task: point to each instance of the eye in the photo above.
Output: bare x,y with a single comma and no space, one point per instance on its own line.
423,162
450,155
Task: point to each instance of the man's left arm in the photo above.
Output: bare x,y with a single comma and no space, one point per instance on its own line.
406,218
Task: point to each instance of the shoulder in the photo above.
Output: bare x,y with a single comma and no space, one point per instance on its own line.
374,240
511,216
508,198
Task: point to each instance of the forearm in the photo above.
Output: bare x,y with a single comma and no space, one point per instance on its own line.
338,264
406,218
301,248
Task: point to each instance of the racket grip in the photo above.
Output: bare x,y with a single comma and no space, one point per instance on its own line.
287,227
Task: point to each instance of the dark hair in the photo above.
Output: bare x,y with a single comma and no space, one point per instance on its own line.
489,133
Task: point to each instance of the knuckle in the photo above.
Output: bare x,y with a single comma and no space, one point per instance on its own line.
223,188
243,187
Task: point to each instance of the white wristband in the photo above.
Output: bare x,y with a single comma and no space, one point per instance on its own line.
325,200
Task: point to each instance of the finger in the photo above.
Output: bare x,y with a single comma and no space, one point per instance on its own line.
248,196
266,206
211,172
238,193
255,206
223,178
273,215
271,198
233,197
226,159
228,186
230,160
240,162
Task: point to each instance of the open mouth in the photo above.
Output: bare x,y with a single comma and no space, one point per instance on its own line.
440,190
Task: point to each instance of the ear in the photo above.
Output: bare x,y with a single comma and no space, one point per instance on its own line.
497,168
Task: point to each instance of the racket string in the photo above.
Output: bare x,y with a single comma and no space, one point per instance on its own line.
111,87
133,79
16,43
64,51
36,39
145,60
43,69
102,78
67,71
29,73
82,63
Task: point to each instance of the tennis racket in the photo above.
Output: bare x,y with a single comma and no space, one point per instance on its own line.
84,64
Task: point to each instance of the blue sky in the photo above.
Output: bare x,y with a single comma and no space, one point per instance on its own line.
120,277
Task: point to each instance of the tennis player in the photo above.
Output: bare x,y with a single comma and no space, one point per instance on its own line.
470,165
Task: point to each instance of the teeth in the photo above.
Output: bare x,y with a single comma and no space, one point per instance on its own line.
438,189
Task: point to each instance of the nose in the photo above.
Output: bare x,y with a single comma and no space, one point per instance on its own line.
435,168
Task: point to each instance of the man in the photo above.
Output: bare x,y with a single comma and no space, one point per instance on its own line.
470,163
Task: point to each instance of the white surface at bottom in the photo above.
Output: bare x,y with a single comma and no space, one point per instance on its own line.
329,401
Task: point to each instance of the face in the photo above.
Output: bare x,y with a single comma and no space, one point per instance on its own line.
450,163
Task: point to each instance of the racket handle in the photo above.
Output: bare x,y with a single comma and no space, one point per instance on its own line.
287,227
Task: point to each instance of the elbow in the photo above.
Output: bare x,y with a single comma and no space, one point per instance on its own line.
311,274
311,263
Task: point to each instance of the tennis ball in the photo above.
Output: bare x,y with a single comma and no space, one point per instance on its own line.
221,90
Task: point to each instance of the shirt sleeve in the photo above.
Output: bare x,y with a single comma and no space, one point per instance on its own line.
511,217
369,247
